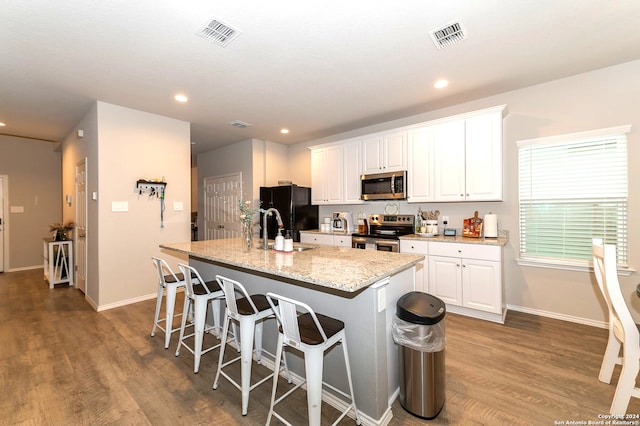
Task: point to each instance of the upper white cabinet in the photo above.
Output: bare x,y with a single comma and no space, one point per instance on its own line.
420,181
335,173
483,143
327,174
385,152
453,159
352,169
468,157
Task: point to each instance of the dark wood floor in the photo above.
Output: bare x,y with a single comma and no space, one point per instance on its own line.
63,363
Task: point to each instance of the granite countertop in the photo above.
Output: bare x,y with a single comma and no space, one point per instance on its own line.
500,241
340,268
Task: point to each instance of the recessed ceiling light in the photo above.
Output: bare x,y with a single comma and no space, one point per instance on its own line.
284,131
441,84
181,98
2,124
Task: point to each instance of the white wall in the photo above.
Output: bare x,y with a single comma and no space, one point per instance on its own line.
33,171
598,99
137,145
123,145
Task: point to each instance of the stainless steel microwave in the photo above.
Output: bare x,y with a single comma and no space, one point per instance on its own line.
384,186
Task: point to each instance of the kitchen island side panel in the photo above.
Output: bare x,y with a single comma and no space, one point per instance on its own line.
366,314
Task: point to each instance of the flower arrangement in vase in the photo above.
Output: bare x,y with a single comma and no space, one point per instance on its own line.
60,232
246,219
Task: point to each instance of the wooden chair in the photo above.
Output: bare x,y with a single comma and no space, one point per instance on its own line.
625,329
612,352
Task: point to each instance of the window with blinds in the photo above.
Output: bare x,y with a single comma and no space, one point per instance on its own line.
573,188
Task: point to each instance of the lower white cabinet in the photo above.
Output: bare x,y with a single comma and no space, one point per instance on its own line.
467,277
418,247
325,239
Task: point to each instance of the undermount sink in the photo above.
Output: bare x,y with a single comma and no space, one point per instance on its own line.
302,248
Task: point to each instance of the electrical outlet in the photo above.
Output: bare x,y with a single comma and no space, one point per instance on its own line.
445,219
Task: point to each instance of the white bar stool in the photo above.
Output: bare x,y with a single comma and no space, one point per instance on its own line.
311,334
249,311
170,281
197,298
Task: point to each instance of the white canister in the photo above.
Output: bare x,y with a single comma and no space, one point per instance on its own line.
431,226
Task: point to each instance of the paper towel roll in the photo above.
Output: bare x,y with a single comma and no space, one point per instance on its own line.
490,225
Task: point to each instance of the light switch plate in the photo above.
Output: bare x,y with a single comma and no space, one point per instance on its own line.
178,206
119,206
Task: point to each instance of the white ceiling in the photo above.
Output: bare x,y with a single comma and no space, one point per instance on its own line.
318,68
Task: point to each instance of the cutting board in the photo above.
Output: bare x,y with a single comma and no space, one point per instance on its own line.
472,226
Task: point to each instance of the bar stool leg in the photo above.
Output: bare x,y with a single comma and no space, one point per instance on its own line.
348,366
258,341
215,308
185,310
247,329
313,366
223,344
171,300
200,314
276,364
158,303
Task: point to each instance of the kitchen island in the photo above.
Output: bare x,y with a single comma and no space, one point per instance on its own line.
359,287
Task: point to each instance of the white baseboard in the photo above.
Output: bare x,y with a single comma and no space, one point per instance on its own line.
555,315
126,302
25,268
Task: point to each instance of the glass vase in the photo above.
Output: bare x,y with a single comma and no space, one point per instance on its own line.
247,234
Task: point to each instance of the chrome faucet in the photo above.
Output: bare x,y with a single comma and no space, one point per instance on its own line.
265,236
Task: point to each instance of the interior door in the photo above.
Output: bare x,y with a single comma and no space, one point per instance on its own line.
81,226
2,223
221,212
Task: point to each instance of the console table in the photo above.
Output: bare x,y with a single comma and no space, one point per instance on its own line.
58,262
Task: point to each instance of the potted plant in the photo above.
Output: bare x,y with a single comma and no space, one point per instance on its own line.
60,232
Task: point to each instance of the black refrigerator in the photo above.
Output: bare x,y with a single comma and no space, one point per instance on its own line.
294,204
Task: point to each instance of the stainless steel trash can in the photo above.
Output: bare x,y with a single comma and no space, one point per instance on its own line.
418,330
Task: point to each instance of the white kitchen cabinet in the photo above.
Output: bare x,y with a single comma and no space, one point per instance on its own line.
483,142
327,174
342,240
420,171
468,157
468,278
352,169
385,152
335,240
418,247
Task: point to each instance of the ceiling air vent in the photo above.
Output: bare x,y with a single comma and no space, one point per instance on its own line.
239,124
218,32
448,35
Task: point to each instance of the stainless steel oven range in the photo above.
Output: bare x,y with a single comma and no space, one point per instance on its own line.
384,232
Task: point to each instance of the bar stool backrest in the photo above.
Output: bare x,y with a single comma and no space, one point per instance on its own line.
164,270
230,288
191,277
286,311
